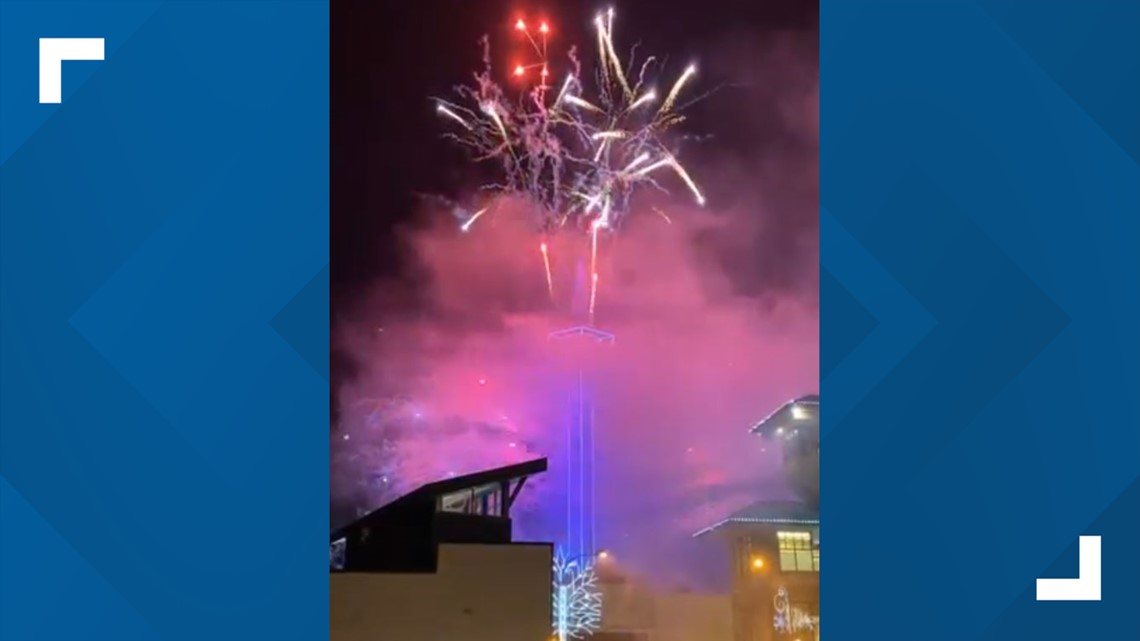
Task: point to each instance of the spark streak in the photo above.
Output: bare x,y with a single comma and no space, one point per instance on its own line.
672,97
546,265
688,181
607,38
441,108
493,113
634,163
652,168
466,226
593,295
562,92
578,102
646,98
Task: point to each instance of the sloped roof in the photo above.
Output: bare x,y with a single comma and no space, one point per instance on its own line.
768,512
478,479
431,491
785,415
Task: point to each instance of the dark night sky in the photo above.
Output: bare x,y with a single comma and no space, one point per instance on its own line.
389,57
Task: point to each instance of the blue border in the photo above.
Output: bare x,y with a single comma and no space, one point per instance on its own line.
164,248
980,221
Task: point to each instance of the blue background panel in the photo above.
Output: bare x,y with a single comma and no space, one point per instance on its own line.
164,248
980,222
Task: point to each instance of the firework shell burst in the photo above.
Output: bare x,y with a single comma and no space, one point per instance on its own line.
577,156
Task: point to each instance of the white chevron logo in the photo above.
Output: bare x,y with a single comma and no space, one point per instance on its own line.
1086,587
53,51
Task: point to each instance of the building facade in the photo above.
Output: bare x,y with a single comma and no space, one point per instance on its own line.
478,592
774,548
439,563
636,611
774,545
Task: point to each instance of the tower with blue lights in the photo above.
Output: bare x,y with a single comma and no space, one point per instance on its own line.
579,457
574,453
579,347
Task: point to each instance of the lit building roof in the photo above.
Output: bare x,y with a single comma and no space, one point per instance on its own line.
798,412
768,513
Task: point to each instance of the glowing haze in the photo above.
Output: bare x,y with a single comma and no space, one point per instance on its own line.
714,309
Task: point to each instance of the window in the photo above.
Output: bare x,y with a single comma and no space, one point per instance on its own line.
483,501
815,548
493,506
486,500
457,502
797,552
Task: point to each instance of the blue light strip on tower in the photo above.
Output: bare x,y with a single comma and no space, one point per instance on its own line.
581,482
583,469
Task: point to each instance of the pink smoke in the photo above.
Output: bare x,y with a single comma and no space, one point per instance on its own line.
708,342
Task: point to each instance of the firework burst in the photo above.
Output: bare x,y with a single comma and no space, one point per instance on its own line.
575,155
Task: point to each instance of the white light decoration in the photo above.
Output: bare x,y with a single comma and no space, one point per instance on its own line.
577,600
746,519
789,619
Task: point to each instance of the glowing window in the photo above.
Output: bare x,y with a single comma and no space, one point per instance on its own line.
797,553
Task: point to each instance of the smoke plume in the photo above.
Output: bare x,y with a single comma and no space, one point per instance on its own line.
714,309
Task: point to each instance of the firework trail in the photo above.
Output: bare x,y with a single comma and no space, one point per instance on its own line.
573,157
546,265
474,217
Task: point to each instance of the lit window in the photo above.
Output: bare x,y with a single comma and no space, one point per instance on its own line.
797,554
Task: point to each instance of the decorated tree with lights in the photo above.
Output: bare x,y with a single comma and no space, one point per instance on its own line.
790,619
577,599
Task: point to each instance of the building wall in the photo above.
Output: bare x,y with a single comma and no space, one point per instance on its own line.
754,589
479,593
627,606
634,611
693,617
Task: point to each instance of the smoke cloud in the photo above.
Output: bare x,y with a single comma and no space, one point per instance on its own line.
714,309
